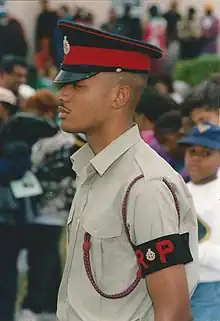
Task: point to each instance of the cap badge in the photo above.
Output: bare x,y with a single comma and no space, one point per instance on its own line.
203,128
150,255
66,46
118,70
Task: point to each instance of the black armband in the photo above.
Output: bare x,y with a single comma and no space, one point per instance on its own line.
163,252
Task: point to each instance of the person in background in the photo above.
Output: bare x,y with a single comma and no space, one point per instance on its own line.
10,166
13,73
28,126
45,27
42,56
203,104
202,160
52,167
172,17
189,30
110,24
210,30
146,114
165,85
12,36
168,130
154,33
18,136
127,25
155,29
172,41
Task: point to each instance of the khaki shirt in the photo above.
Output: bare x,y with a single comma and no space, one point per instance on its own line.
102,181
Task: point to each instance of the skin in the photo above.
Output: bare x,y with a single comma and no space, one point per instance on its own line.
202,164
203,114
13,80
169,292
102,107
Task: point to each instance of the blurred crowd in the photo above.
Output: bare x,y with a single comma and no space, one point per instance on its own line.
181,35
37,183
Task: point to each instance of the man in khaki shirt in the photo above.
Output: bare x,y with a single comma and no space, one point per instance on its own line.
132,231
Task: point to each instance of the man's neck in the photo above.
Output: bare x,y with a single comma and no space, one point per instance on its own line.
206,179
100,139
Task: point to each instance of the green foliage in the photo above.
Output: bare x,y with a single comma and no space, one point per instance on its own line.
197,70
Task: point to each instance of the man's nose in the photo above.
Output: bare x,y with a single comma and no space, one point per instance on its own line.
59,94
63,93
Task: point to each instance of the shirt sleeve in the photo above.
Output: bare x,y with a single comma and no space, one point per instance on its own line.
155,212
156,225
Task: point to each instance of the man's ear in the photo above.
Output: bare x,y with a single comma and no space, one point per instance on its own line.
123,96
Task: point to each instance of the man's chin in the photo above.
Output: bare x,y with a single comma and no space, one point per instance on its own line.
69,129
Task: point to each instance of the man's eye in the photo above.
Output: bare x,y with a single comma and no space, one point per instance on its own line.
77,86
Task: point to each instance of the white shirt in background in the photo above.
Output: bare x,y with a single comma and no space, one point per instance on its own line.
207,202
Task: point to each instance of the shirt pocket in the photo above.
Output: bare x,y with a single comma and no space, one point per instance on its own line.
105,255
105,225
112,258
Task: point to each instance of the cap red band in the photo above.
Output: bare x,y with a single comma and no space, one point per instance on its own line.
91,56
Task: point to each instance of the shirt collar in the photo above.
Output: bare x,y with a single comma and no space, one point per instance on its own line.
102,161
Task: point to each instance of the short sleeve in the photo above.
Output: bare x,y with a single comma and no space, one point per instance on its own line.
155,212
156,226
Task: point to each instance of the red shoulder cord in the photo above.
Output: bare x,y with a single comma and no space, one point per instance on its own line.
87,245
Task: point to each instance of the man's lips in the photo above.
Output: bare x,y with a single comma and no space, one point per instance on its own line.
63,110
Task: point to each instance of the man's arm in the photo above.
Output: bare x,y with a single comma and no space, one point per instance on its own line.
169,293
162,252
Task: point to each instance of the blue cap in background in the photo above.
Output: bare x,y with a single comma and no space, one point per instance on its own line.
205,135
